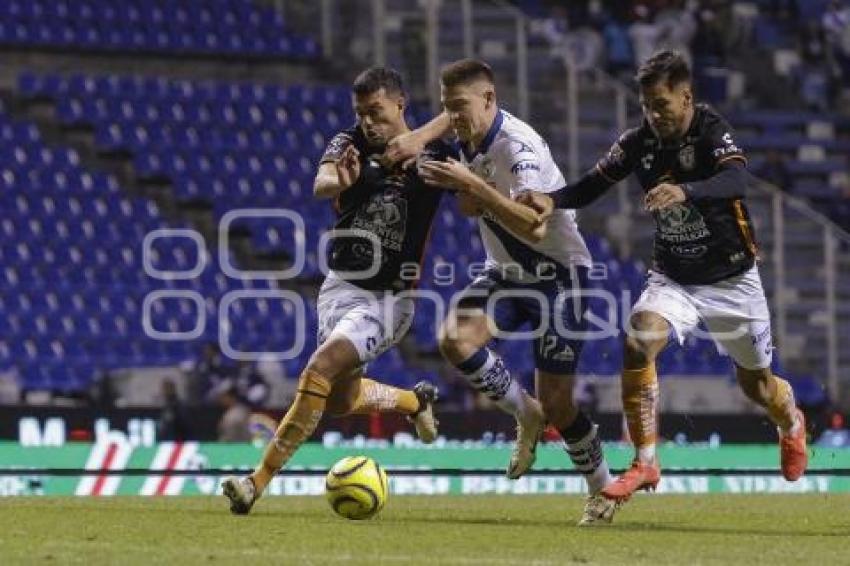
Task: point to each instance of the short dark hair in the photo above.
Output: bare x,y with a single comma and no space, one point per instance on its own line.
465,71
667,65
374,79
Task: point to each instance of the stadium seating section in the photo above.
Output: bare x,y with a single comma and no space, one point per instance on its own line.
76,296
73,260
221,27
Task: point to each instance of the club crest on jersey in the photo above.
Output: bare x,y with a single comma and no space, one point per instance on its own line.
617,155
647,160
687,157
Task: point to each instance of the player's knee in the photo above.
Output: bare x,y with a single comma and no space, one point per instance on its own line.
334,360
753,382
328,366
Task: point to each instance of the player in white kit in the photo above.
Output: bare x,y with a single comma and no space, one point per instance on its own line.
536,268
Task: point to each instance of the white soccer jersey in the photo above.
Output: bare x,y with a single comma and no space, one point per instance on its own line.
514,158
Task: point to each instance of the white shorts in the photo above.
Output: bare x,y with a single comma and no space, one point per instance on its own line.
734,312
373,322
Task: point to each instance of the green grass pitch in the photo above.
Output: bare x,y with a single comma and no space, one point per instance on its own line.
463,530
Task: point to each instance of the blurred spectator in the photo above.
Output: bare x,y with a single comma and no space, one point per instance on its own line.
618,47
836,24
102,392
775,171
174,422
836,435
708,40
234,425
281,388
207,373
250,385
836,27
677,26
644,33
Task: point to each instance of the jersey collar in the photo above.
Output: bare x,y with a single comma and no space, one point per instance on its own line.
488,139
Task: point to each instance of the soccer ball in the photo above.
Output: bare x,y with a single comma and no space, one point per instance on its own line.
357,488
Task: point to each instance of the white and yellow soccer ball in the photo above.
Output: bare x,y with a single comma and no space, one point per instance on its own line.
357,487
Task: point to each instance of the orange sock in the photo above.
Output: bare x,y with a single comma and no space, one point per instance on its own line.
363,396
297,425
374,396
640,404
779,402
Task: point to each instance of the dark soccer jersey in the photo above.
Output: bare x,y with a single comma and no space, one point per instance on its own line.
699,241
394,205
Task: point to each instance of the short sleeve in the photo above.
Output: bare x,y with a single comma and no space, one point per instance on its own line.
337,146
620,160
525,166
719,144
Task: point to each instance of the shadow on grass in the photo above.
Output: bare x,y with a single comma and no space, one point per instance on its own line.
834,531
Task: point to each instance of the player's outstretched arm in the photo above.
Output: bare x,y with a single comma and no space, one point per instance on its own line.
338,175
522,220
405,147
583,192
729,182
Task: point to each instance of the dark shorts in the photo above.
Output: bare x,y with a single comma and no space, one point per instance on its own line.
555,307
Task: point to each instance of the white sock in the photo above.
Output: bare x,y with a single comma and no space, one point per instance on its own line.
646,454
588,458
516,401
493,379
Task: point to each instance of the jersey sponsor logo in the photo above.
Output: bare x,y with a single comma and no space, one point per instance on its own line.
689,251
337,145
687,157
729,146
682,224
521,147
385,215
524,166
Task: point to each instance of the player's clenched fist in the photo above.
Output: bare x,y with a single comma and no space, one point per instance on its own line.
539,202
348,167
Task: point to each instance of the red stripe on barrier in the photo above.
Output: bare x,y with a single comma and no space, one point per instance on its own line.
172,463
107,464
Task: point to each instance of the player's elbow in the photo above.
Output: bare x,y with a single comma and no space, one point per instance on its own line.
323,188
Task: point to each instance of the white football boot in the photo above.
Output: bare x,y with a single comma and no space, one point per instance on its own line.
598,510
423,419
241,492
528,433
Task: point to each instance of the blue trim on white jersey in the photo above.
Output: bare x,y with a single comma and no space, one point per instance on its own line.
488,138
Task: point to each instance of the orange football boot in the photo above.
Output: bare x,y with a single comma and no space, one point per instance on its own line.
792,450
638,476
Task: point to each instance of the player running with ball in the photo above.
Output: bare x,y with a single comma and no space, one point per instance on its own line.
362,308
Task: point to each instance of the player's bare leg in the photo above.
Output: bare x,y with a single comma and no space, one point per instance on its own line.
462,339
334,360
555,392
776,396
358,395
647,337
